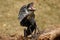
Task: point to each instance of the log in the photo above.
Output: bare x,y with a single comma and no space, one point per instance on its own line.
52,35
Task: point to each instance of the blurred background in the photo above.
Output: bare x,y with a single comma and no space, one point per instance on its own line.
47,15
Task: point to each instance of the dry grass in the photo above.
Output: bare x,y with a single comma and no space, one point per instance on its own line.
47,14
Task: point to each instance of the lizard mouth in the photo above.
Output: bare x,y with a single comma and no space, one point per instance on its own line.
31,9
